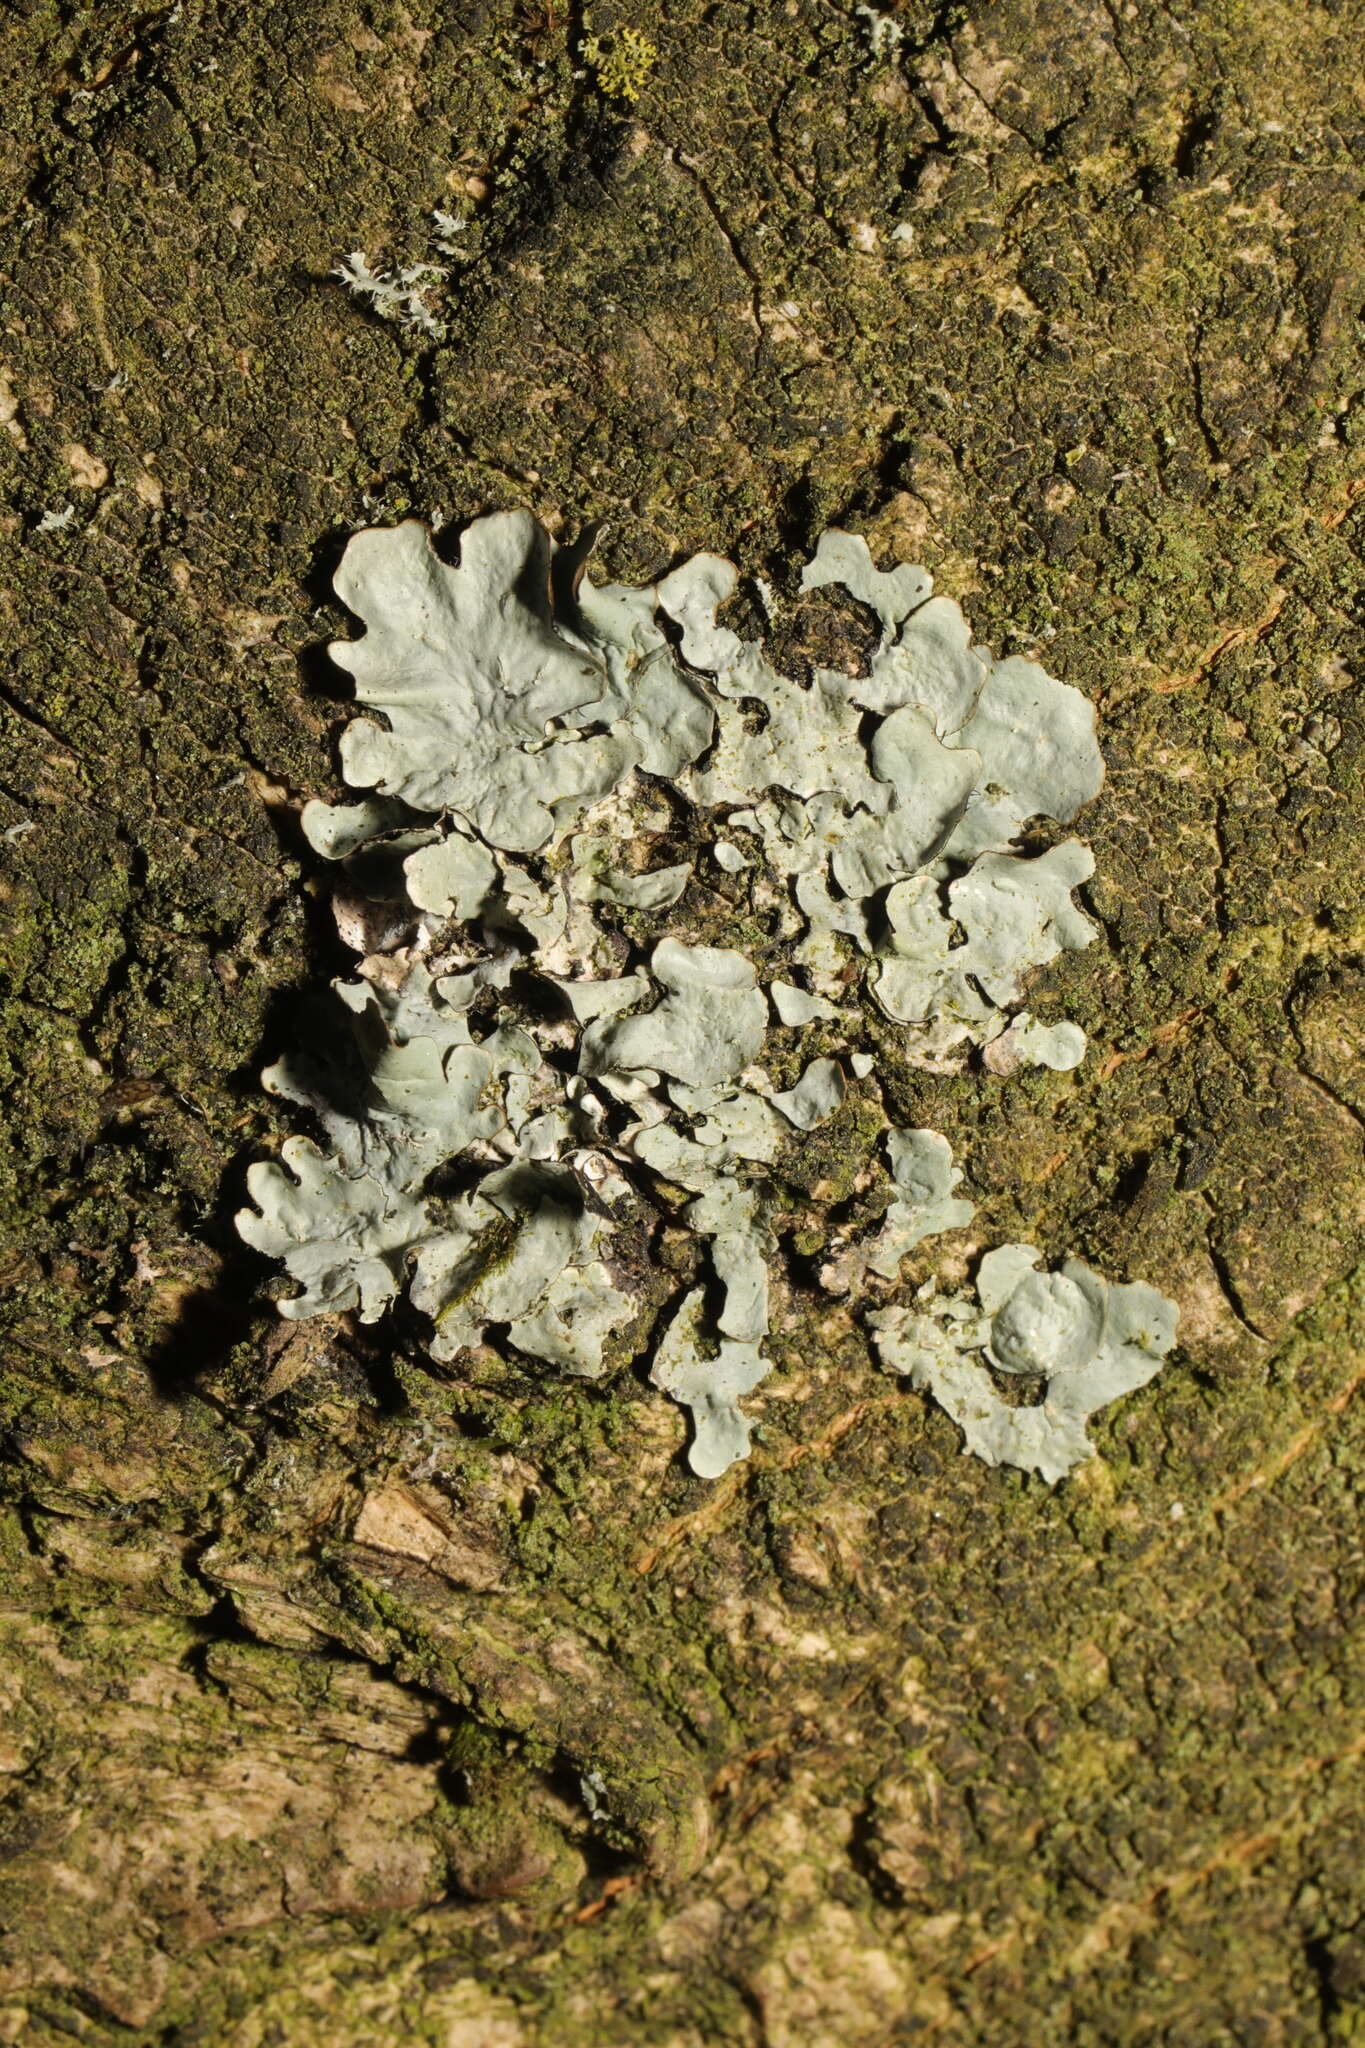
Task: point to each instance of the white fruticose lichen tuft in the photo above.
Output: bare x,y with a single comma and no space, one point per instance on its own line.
565,793
403,296
884,32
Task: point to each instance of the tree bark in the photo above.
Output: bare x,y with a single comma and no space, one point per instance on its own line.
346,1702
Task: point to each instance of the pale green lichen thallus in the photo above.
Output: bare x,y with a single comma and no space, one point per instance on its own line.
540,1045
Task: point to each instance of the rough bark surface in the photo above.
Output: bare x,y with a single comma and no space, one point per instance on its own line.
307,1650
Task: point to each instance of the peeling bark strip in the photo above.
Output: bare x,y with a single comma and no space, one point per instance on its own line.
1061,301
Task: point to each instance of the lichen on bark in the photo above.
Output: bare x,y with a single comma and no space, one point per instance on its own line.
1058,300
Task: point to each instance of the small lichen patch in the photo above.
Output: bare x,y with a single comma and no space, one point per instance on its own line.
1087,1340
926,1206
404,296
620,63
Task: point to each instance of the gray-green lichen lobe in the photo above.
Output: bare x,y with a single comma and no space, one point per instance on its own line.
1105,384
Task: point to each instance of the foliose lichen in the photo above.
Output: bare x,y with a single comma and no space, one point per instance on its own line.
1081,1340
541,1053
621,63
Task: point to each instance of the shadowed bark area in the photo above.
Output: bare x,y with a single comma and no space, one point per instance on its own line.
346,1702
